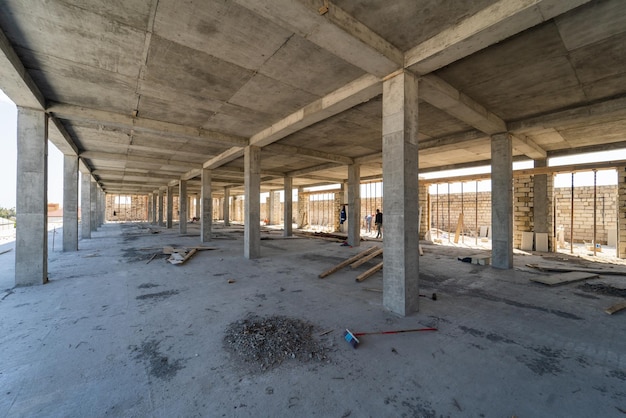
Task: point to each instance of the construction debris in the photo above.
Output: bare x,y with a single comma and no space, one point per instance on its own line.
180,257
369,272
265,343
581,269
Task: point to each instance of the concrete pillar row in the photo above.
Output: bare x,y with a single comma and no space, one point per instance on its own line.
206,224
31,244
252,203
70,203
502,200
182,207
85,204
400,205
170,207
226,208
288,207
160,209
354,205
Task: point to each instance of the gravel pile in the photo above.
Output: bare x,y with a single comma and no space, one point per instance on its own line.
264,343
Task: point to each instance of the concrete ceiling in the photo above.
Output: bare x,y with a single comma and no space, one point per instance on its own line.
147,92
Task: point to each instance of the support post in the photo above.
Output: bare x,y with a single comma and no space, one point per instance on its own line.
170,207
161,204
226,206
70,203
252,204
288,207
400,205
182,207
502,200
206,223
354,205
85,204
31,245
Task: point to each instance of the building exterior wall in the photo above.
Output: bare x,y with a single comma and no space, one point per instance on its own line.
117,211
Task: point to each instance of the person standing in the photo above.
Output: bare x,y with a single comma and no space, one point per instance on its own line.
378,221
368,222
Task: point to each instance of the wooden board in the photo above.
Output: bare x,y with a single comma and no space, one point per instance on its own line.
615,308
527,241
562,278
541,242
369,272
366,258
347,262
586,270
459,226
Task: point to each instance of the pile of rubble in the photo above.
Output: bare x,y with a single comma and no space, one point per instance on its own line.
264,343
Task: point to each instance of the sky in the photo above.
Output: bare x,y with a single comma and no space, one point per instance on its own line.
8,159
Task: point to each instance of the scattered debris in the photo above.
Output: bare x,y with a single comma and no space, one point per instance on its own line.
6,251
152,258
603,289
180,257
265,343
231,281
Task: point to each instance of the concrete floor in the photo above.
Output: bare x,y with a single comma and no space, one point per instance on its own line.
111,335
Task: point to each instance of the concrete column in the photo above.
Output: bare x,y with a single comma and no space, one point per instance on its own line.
85,205
198,206
288,207
400,205
70,203
170,206
226,206
160,210
155,198
206,224
101,207
94,205
354,205
621,212
31,244
252,204
502,201
270,208
150,200
182,207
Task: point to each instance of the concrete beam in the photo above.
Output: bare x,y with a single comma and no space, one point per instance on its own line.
95,155
15,81
489,26
527,146
308,153
445,97
111,119
305,171
332,29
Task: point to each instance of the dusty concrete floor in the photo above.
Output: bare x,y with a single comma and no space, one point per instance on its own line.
113,335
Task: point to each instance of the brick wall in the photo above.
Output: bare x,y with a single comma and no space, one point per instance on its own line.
118,211
445,212
606,212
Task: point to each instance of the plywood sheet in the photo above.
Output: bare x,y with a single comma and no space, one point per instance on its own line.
527,241
562,278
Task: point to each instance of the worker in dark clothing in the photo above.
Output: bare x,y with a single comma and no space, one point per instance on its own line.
378,221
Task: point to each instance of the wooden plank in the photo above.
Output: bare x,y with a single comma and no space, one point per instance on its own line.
615,308
562,278
586,270
369,272
366,258
459,226
347,262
